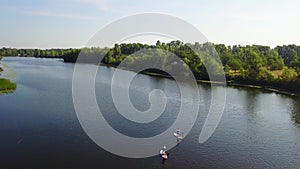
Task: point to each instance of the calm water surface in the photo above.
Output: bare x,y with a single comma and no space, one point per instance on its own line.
39,127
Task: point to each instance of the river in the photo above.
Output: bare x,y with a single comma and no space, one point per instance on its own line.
39,127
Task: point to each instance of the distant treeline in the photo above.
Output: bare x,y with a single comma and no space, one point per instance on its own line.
277,67
42,53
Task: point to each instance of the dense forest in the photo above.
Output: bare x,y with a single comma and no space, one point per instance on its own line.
277,67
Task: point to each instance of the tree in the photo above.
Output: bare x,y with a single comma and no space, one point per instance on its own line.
274,61
265,76
234,64
286,75
296,64
253,64
117,50
158,44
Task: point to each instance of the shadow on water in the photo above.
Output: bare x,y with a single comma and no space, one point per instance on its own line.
296,111
251,101
256,99
248,98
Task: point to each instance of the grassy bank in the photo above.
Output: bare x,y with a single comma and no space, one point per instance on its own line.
239,84
7,86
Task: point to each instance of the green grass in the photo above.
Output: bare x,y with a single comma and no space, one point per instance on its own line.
7,86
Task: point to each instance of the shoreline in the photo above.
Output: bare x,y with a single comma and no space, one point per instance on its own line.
266,88
237,84
231,83
7,91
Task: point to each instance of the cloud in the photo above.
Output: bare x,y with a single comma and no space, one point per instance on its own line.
60,14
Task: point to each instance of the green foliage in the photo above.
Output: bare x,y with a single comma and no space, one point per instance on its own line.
234,64
254,64
265,76
295,63
286,75
6,85
288,53
46,53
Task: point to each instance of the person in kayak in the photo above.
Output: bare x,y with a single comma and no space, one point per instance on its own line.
178,131
163,153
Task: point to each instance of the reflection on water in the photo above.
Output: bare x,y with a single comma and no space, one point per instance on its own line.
296,111
8,73
39,127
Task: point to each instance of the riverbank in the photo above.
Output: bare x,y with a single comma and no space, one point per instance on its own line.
237,84
232,83
7,91
262,87
251,65
6,86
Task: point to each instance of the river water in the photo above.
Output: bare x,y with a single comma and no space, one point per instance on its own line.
39,127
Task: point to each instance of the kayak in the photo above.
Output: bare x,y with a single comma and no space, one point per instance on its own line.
163,154
178,136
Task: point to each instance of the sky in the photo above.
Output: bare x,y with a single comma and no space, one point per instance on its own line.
71,23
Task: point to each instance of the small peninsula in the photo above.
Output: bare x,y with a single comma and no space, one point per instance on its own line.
6,85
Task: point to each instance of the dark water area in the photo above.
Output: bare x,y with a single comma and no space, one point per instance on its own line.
39,127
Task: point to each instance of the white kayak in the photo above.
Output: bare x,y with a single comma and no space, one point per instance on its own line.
178,136
163,154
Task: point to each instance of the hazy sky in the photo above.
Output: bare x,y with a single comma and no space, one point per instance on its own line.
70,23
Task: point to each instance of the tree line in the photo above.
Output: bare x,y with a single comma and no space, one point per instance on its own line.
277,67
